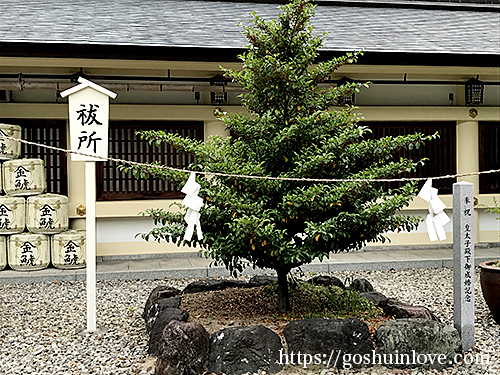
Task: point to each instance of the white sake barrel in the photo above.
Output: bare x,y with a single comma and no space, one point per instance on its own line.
10,149
28,251
47,213
68,249
24,177
3,252
12,215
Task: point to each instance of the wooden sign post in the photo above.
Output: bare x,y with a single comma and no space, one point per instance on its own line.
89,124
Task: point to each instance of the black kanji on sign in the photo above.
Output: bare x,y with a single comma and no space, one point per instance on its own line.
88,116
89,139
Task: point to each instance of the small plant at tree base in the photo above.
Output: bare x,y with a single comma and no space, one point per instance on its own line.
311,301
291,131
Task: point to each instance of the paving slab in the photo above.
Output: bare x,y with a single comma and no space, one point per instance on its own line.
217,271
315,267
140,265
491,252
199,262
199,267
177,263
345,257
112,266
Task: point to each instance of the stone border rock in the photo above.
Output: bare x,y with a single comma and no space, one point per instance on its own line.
186,348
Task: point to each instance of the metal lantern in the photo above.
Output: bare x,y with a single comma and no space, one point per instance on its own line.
68,249
24,177
12,215
9,149
47,213
28,251
474,92
219,95
347,99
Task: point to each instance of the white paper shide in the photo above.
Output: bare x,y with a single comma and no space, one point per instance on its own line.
193,203
436,218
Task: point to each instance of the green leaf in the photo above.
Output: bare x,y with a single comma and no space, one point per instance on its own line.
289,129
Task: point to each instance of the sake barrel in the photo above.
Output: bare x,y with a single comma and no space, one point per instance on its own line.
28,251
68,249
3,252
47,213
24,177
10,149
12,215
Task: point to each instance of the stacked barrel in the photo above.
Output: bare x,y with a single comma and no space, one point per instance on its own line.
33,225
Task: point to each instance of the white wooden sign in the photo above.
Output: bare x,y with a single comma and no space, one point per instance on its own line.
88,119
88,132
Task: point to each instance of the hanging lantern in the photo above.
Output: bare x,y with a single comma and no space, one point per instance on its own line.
474,92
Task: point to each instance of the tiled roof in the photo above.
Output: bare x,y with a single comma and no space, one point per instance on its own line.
202,23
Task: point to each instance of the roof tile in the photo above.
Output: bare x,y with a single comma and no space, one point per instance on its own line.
215,24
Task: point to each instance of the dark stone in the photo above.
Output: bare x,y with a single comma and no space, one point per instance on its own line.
400,310
261,280
361,285
173,302
375,297
157,293
327,281
183,349
319,336
213,284
157,307
418,338
239,350
164,317
389,301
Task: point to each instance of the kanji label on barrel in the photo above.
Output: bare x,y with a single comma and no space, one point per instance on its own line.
5,217
27,254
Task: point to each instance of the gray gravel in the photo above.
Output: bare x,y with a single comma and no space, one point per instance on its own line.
42,326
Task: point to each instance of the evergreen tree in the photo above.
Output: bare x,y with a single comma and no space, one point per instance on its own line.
291,131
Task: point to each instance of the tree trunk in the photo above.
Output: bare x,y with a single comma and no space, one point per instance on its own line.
283,296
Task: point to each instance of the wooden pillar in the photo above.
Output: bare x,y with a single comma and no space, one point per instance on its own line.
468,159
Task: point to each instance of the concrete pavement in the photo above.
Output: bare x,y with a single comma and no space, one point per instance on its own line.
194,266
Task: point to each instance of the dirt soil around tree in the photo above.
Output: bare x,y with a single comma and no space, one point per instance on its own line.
231,307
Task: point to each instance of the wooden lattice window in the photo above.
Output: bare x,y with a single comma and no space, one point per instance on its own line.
489,156
51,133
113,184
440,152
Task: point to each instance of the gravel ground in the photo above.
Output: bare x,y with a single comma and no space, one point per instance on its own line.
42,326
